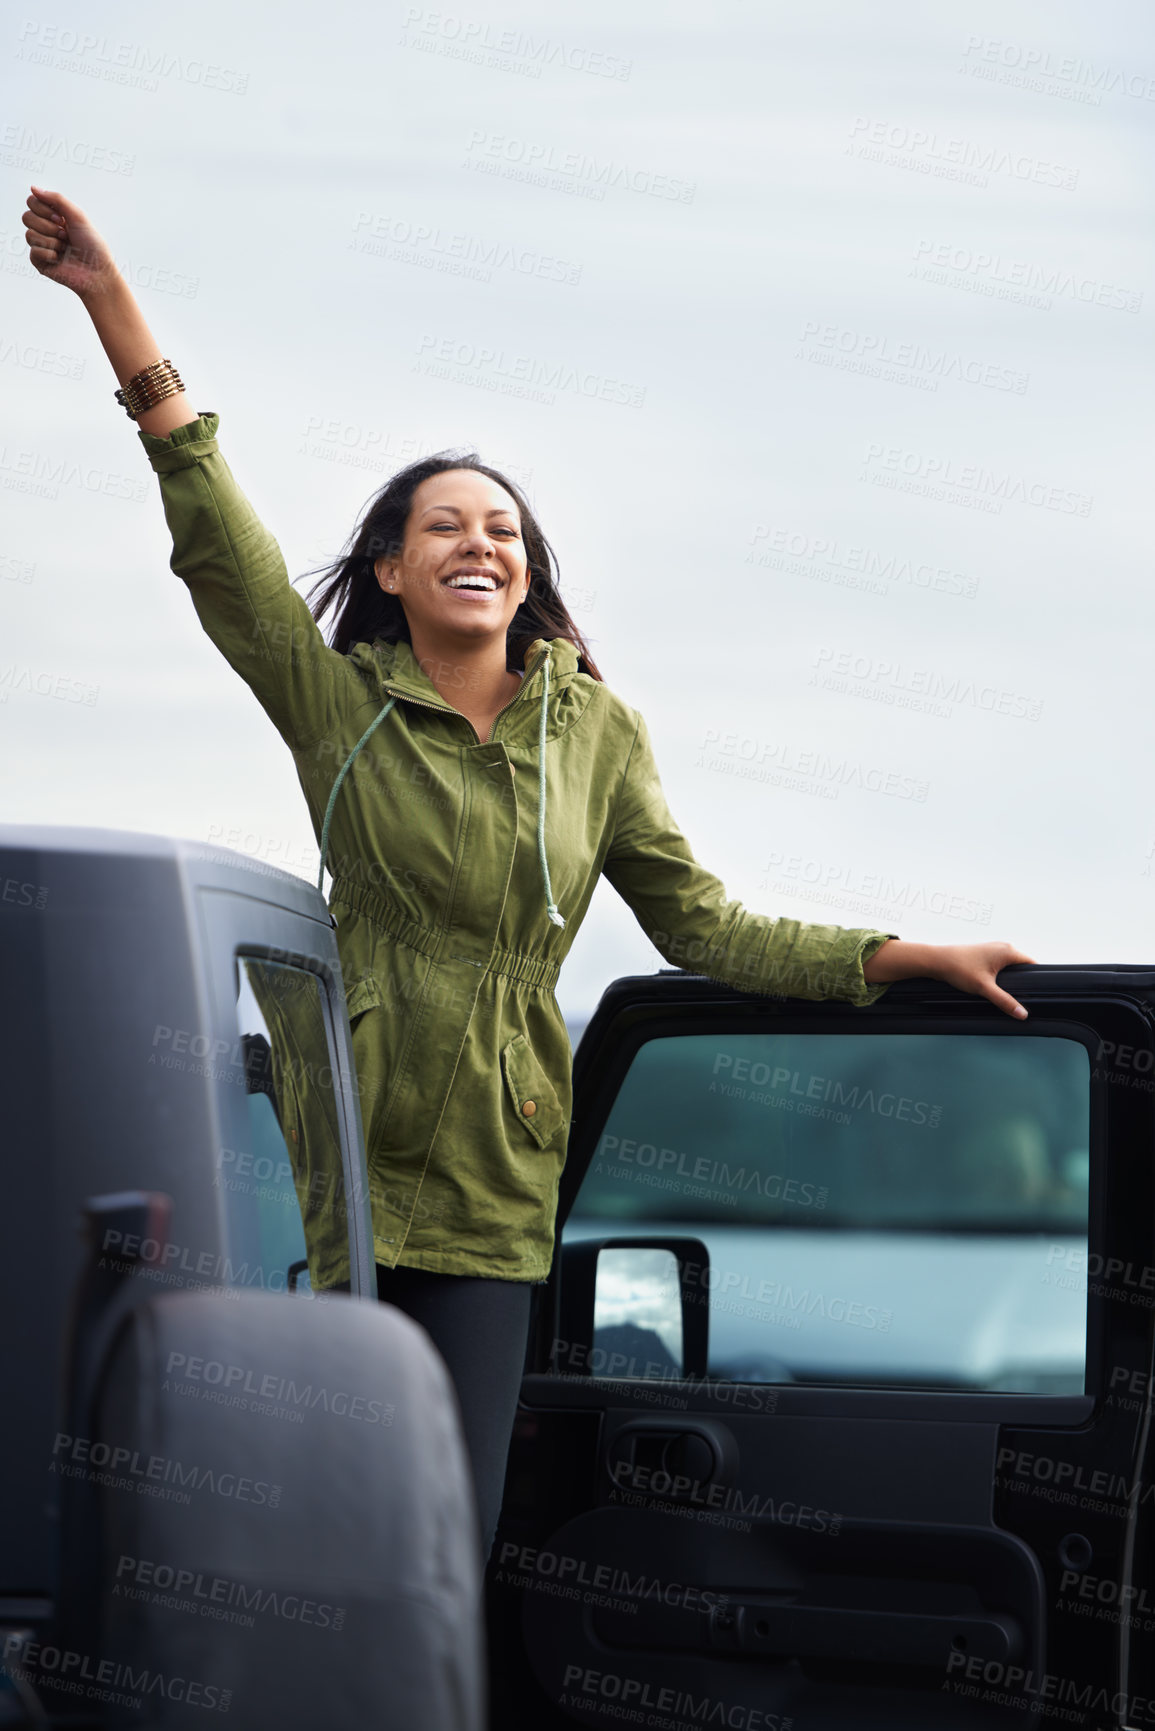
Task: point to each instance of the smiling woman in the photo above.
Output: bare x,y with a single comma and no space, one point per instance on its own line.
449,550
455,670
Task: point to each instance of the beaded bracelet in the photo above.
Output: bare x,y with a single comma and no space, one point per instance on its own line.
149,387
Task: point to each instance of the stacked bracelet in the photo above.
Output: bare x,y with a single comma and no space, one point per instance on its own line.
149,387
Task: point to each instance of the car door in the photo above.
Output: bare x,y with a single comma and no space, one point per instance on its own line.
907,1482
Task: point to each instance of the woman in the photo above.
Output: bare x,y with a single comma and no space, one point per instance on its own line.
469,775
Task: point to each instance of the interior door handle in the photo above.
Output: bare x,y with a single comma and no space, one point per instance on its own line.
883,1637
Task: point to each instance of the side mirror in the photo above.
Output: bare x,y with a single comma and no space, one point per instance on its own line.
634,1307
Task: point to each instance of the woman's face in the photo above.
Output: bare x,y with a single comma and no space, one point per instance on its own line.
462,571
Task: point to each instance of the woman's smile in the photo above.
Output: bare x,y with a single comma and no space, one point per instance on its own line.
473,581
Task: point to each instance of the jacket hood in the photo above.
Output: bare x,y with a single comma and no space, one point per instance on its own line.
391,670
551,665
395,665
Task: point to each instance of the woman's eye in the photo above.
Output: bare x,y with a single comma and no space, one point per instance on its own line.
500,528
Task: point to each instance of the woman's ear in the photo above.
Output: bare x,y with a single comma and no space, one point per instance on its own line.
385,574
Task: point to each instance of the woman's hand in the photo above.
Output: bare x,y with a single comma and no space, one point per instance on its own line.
64,246
970,967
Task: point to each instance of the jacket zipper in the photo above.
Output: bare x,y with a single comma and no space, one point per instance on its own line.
448,709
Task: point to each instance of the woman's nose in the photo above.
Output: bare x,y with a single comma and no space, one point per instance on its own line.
476,541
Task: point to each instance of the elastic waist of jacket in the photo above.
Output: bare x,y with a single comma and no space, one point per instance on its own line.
364,899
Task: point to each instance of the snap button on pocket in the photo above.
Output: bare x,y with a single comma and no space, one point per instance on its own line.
531,1094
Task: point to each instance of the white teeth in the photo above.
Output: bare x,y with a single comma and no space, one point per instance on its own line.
470,583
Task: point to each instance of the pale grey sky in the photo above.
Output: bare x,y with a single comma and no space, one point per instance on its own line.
819,335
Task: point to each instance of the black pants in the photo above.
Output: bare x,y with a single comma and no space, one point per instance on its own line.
480,1329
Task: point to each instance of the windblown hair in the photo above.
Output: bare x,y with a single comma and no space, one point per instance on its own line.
350,590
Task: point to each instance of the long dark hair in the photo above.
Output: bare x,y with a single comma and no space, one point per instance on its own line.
349,588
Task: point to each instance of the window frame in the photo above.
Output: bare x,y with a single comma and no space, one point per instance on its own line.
239,926
719,1016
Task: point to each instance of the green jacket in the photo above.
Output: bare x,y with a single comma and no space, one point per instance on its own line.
440,885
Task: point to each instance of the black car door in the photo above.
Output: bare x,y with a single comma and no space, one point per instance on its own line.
906,1482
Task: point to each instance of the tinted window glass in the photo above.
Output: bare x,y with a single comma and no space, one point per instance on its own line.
286,1208
878,1208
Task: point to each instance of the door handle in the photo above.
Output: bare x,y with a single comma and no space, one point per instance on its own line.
801,1631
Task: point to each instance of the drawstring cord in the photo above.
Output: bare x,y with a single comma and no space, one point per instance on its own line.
337,788
550,904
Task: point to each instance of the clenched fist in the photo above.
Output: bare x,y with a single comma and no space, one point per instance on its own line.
64,246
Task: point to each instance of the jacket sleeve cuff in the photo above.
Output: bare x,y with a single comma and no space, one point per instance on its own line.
184,446
855,986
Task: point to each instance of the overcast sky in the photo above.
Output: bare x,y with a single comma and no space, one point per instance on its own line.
819,334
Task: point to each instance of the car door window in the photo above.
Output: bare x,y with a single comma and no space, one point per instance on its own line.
885,1209
284,1188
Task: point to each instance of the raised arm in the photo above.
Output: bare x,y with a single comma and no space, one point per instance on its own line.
64,247
230,562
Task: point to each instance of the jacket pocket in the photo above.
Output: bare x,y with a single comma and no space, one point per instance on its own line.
535,1102
362,995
